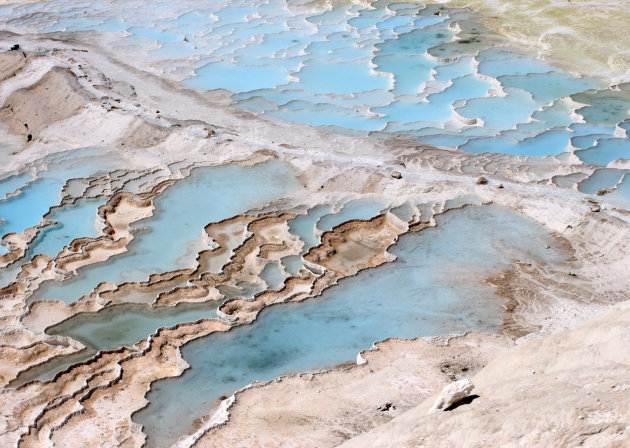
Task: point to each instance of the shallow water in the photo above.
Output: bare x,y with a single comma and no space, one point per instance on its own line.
113,327
293,264
309,63
600,179
386,68
124,325
32,194
304,225
621,195
8,274
549,142
12,183
358,209
73,221
273,276
27,209
173,235
433,288
605,151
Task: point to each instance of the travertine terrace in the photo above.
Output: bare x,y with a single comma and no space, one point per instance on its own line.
126,135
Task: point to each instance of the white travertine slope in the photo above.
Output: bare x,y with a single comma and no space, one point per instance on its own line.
567,389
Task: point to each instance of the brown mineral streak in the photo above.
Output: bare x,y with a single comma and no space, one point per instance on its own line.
91,403
162,347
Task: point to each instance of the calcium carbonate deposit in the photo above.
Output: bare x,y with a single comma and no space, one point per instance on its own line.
291,223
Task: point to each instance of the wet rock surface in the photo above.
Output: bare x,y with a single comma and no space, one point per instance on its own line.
72,95
565,387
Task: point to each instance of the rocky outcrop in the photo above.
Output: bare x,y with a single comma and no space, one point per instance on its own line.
452,394
57,96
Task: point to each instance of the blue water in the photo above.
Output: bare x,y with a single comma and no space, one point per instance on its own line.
208,195
12,183
621,195
369,68
8,274
237,78
74,221
600,179
340,78
546,87
606,151
26,210
304,225
124,325
606,107
357,209
293,264
549,142
513,66
156,34
433,288
113,327
557,115
273,276
501,113
35,200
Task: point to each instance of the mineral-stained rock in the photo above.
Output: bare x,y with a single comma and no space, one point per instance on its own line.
554,391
